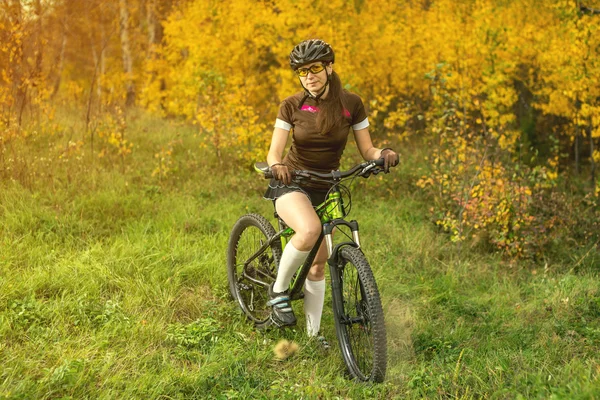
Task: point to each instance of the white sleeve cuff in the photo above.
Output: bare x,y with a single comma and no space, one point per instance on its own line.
279,123
361,125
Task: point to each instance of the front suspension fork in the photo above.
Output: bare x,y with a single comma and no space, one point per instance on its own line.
328,233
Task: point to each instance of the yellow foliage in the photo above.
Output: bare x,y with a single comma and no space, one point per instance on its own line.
111,132
468,77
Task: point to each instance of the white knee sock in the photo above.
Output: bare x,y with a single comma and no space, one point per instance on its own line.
291,259
314,296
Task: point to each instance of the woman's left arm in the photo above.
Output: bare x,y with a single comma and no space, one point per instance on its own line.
365,145
370,152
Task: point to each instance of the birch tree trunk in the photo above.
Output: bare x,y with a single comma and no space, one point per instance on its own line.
577,151
102,71
61,59
155,36
592,161
19,88
14,68
126,52
151,21
39,46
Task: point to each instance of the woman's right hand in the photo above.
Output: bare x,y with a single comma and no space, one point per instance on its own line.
282,173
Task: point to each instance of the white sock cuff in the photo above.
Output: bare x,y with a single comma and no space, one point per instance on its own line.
315,286
291,260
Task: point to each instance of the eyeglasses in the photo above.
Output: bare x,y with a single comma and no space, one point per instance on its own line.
315,69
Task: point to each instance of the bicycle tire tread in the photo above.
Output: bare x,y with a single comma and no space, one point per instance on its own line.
365,274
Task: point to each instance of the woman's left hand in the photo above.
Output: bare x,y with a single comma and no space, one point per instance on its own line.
390,159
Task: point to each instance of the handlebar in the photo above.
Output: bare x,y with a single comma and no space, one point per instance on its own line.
364,169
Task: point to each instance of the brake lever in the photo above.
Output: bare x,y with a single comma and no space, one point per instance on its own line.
372,171
299,176
366,171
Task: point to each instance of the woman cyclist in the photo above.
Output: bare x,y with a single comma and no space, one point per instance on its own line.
320,118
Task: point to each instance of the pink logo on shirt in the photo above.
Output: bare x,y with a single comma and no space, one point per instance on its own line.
313,109
309,108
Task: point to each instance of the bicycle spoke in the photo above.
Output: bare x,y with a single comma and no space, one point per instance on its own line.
249,280
361,333
358,326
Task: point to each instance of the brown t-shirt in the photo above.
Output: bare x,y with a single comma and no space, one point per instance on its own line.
310,150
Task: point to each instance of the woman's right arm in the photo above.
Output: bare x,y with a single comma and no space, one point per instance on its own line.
278,142
275,156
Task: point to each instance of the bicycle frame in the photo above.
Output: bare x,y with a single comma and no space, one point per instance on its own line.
331,214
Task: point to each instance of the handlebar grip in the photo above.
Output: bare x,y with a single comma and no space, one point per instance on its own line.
380,162
263,168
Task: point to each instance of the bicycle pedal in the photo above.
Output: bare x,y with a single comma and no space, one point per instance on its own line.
264,325
268,324
272,323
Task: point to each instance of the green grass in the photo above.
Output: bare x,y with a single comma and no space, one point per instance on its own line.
113,285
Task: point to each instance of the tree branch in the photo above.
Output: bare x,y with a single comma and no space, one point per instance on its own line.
590,10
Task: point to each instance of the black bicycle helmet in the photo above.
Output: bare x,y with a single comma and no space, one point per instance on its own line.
309,51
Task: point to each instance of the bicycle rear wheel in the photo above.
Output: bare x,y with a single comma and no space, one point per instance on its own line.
358,316
250,280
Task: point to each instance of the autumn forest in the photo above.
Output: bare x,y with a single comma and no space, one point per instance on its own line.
505,94
128,131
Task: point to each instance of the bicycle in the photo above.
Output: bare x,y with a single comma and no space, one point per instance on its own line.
253,255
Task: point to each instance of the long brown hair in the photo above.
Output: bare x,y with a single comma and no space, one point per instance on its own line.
331,113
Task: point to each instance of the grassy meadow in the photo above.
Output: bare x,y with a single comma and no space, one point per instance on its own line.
113,285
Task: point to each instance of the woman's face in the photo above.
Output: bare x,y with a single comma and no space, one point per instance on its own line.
314,82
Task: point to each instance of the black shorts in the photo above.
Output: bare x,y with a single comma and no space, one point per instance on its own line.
277,189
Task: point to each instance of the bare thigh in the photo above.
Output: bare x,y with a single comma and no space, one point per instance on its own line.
298,213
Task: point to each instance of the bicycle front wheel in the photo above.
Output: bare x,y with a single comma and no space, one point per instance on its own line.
358,315
249,271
